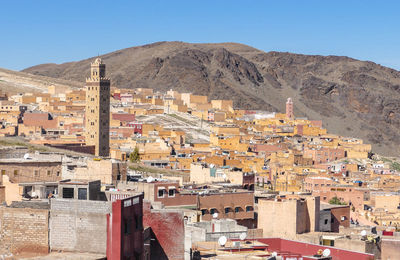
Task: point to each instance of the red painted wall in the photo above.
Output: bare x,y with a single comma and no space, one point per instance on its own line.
280,245
168,229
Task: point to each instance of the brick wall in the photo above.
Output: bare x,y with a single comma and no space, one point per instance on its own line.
24,230
79,225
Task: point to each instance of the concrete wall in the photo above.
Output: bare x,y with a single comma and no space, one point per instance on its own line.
288,217
79,225
325,221
12,191
24,230
104,170
390,249
193,234
277,218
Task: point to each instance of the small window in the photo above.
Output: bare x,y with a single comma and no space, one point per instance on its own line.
37,174
48,173
326,221
249,208
171,193
161,193
3,172
15,172
68,193
82,194
58,173
203,212
238,209
213,210
227,210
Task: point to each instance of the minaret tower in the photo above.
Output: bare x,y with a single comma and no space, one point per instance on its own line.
97,119
289,109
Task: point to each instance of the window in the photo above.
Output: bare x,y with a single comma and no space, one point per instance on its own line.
171,193
249,208
343,218
326,221
58,173
127,226
15,172
36,172
48,173
227,210
3,172
213,210
161,193
203,212
139,222
82,194
238,209
68,193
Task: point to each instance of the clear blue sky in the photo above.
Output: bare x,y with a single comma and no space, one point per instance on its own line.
56,31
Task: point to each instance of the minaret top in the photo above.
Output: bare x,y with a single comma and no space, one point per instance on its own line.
97,62
97,71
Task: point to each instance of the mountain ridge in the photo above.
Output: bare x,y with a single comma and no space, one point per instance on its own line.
352,97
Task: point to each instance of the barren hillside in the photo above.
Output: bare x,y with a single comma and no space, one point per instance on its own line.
352,97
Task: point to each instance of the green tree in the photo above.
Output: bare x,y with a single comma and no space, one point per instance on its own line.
336,201
134,156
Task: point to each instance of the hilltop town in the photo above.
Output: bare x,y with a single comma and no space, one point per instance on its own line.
134,173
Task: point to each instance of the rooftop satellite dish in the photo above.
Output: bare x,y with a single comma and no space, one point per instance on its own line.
26,156
243,236
274,254
222,240
363,233
215,215
150,179
326,252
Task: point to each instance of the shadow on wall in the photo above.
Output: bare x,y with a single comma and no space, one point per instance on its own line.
156,250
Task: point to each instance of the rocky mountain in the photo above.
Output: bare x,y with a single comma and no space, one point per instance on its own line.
352,97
